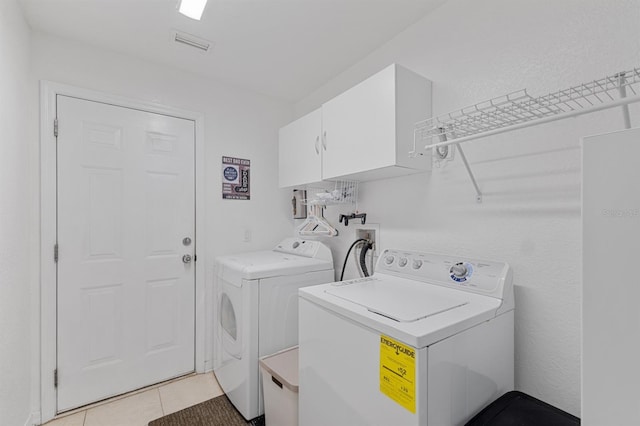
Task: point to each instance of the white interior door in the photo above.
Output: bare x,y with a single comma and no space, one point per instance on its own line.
125,295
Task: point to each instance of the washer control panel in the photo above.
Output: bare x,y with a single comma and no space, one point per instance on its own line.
480,276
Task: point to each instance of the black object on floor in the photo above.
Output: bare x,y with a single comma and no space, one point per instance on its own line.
519,409
215,412
258,421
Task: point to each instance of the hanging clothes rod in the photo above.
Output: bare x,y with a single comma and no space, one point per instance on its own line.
519,110
619,102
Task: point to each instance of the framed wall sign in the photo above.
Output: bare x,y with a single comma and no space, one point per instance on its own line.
235,178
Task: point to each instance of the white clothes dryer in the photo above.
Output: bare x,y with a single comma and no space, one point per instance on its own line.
257,312
427,340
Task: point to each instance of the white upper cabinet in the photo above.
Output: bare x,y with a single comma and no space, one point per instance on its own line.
299,152
366,132
368,129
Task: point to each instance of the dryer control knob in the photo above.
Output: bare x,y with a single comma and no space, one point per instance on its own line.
417,264
459,270
402,262
389,260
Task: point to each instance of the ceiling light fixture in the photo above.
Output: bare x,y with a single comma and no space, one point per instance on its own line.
192,8
191,40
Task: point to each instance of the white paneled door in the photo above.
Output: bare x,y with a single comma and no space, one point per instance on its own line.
126,236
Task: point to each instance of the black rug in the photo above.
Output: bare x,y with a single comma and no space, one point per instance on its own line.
215,412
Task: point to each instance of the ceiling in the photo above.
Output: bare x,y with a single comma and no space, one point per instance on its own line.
281,48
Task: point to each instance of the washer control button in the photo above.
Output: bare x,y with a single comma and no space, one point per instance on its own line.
389,259
461,271
402,262
417,264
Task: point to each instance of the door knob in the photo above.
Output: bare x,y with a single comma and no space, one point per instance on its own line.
186,258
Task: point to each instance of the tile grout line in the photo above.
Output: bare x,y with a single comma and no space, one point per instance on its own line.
122,396
157,387
160,398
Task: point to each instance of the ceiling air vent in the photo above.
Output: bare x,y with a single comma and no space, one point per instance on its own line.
191,40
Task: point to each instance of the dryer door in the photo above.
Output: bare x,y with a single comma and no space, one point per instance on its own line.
229,324
236,341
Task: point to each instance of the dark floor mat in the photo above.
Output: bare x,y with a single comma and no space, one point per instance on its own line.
215,412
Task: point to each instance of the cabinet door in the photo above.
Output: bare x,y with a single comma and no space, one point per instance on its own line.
300,157
359,127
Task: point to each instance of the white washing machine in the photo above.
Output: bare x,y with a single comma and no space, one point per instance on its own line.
427,340
257,312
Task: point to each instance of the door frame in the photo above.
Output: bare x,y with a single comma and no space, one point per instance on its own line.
48,227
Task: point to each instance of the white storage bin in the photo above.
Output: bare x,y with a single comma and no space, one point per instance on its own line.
280,387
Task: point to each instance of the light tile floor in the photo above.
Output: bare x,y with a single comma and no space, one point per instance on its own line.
139,408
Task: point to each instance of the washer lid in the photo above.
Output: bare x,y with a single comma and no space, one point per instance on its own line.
397,299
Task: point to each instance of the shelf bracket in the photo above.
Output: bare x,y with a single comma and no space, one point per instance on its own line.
471,176
622,88
443,138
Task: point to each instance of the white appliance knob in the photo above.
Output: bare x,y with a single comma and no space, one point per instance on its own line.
295,244
417,263
459,270
402,262
389,260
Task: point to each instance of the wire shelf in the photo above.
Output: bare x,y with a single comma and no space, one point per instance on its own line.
519,109
338,192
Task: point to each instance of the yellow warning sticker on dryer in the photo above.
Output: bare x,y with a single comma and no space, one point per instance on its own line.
398,372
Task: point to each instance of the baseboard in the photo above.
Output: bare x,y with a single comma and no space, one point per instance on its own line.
33,419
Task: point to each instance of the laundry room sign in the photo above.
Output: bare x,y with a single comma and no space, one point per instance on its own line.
235,178
398,372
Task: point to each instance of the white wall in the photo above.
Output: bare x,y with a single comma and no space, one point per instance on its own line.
15,210
474,50
237,123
